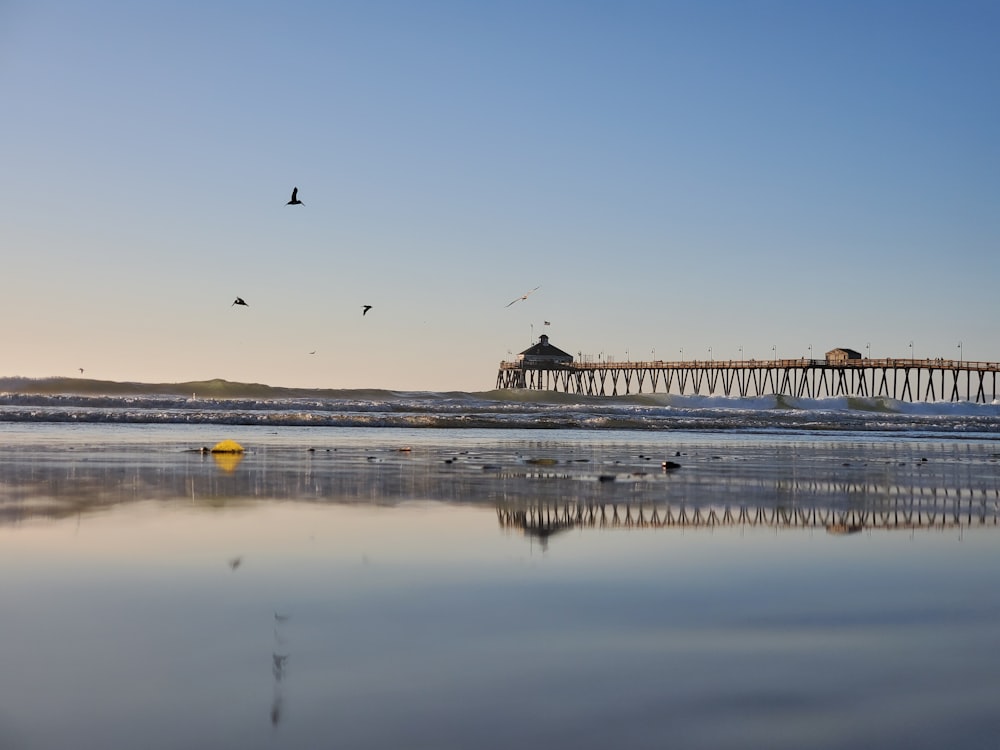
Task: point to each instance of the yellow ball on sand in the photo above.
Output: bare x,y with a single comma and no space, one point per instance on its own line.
227,446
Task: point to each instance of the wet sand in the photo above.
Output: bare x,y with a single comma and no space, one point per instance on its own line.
59,478
393,590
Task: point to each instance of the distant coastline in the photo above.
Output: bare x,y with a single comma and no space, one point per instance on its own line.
214,388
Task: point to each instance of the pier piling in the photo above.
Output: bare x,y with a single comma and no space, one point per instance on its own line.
900,379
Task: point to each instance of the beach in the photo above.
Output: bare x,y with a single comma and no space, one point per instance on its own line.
385,588
500,376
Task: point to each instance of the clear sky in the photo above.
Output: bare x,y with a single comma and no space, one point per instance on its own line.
680,175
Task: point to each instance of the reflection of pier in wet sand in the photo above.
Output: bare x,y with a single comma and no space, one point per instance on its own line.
542,520
835,485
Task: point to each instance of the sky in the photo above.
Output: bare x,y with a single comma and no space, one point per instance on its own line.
681,179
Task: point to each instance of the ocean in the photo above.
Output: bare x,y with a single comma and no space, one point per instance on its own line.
228,403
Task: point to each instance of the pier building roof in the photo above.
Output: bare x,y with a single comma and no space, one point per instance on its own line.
543,351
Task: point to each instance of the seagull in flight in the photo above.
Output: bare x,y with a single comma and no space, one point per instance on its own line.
365,309
239,301
523,296
295,198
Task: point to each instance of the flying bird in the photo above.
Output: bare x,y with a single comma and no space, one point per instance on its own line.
365,309
80,369
523,296
295,198
239,301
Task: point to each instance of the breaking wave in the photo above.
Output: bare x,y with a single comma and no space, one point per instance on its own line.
224,402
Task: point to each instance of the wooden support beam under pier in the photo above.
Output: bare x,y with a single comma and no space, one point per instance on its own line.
901,379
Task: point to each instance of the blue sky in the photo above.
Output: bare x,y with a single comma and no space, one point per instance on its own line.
674,175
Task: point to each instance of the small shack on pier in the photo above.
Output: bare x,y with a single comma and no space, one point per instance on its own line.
544,353
841,355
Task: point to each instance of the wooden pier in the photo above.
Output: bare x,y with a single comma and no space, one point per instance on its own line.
900,379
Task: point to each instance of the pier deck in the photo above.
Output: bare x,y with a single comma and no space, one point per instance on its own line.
901,379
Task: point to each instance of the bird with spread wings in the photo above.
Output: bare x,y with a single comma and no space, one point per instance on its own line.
523,296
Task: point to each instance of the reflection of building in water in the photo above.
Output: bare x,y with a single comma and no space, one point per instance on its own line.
541,526
544,519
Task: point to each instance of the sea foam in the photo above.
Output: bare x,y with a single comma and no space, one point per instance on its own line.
224,402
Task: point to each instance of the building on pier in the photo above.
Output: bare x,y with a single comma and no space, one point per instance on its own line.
544,353
841,355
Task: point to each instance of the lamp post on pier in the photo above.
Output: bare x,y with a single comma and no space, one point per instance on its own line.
960,353
911,351
868,347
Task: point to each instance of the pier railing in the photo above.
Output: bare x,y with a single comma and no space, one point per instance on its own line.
902,379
